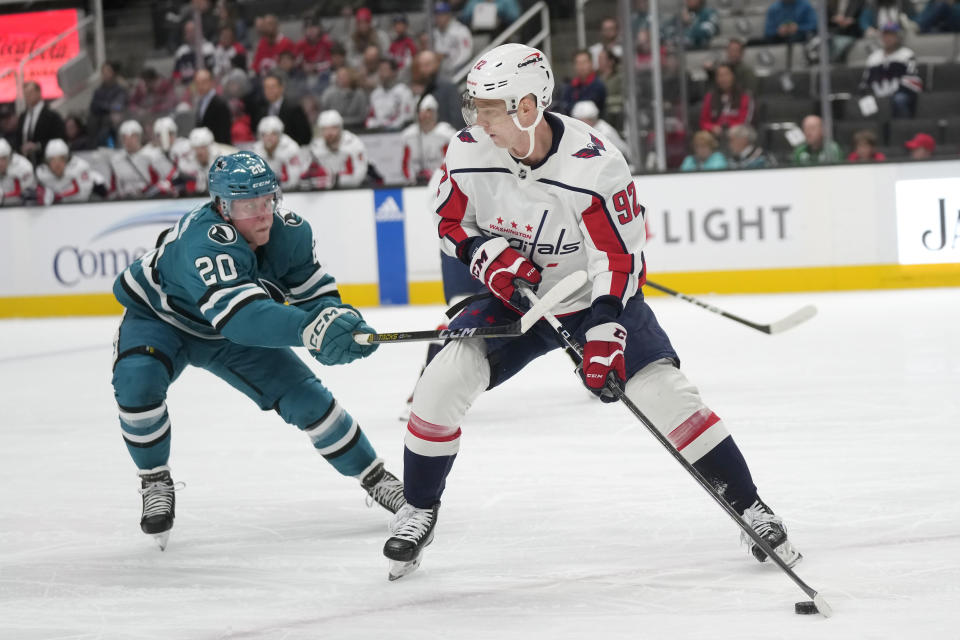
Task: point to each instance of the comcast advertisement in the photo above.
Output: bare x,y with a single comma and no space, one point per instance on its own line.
23,33
928,221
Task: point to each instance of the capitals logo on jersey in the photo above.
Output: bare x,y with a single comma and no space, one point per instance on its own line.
592,150
466,136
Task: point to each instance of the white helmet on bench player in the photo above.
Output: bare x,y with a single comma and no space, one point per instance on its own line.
510,72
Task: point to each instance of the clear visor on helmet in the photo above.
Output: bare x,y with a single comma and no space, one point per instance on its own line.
246,208
487,112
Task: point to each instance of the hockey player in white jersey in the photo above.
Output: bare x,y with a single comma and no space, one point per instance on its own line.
65,179
339,158
140,171
17,182
587,111
391,101
425,143
530,197
196,165
280,151
166,138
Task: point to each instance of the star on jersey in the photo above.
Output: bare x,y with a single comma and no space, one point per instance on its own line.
466,136
592,150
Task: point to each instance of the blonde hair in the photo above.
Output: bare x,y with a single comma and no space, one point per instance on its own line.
705,138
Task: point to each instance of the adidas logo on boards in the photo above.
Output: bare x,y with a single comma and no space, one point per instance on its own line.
388,210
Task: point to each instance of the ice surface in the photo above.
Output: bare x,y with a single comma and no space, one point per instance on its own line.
562,518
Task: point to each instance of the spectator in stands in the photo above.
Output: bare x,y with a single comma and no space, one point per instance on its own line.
110,96
939,16
17,182
705,156
425,143
813,150
235,88
641,16
295,121
185,58
38,124
726,105
865,148
344,97
212,111
585,84
209,22
152,95
892,72
733,58
696,24
338,57
228,54
165,138
609,41
228,15
369,71
426,80
877,13
76,134
745,153
609,73
139,171
403,48
790,21
489,16
452,40
364,35
66,179
280,151
844,26
392,102
295,80
587,112
339,158
313,51
271,43
921,146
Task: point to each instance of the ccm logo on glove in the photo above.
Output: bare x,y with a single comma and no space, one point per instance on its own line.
498,265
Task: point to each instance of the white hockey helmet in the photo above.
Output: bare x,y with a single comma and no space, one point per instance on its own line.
329,118
201,137
510,73
131,127
165,130
270,124
5,148
585,110
428,103
56,147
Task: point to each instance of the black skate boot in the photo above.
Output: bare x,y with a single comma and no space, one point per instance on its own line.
412,530
383,488
770,527
157,489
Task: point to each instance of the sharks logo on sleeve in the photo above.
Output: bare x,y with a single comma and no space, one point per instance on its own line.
592,150
466,136
291,219
223,233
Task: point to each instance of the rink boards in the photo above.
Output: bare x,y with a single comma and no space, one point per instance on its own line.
838,228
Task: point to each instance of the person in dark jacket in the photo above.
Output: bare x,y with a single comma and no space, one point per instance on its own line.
37,125
212,110
295,123
585,84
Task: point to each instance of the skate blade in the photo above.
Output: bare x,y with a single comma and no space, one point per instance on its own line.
399,569
161,539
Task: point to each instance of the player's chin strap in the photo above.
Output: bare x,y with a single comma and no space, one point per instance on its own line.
529,131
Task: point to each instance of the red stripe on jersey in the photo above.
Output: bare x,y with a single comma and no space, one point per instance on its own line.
692,427
71,192
431,432
348,167
605,237
16,189
284,176
451,214
406,162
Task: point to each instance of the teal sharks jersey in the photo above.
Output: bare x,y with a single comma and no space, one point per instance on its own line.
204,279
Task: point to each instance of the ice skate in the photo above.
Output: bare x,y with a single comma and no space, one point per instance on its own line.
770,527
157,489
412,530
383,488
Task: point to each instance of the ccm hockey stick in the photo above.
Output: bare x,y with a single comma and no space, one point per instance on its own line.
561,291
613,385
797,317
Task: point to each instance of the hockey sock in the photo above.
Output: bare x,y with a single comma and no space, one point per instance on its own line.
428,455
724,467
338,438
146,432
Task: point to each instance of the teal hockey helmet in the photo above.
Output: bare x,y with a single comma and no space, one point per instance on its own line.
242,176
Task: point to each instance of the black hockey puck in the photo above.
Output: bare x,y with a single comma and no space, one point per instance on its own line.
805,608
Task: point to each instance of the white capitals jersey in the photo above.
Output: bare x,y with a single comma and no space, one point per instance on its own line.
286,161
144,173
576,210
455,45
179,149
423,153
75,185
348,164
195,172
390,108
18,182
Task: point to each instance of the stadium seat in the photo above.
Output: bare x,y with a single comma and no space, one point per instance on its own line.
843,131
944,77
932,47
903,129
938,104
844,79
784,109
951,133
773,85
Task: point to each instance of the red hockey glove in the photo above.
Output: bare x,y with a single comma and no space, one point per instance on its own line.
499,267
602,354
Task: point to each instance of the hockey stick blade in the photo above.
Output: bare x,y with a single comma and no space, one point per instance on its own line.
797,317
560,292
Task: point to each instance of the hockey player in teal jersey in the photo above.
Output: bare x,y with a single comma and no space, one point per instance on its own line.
212,294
